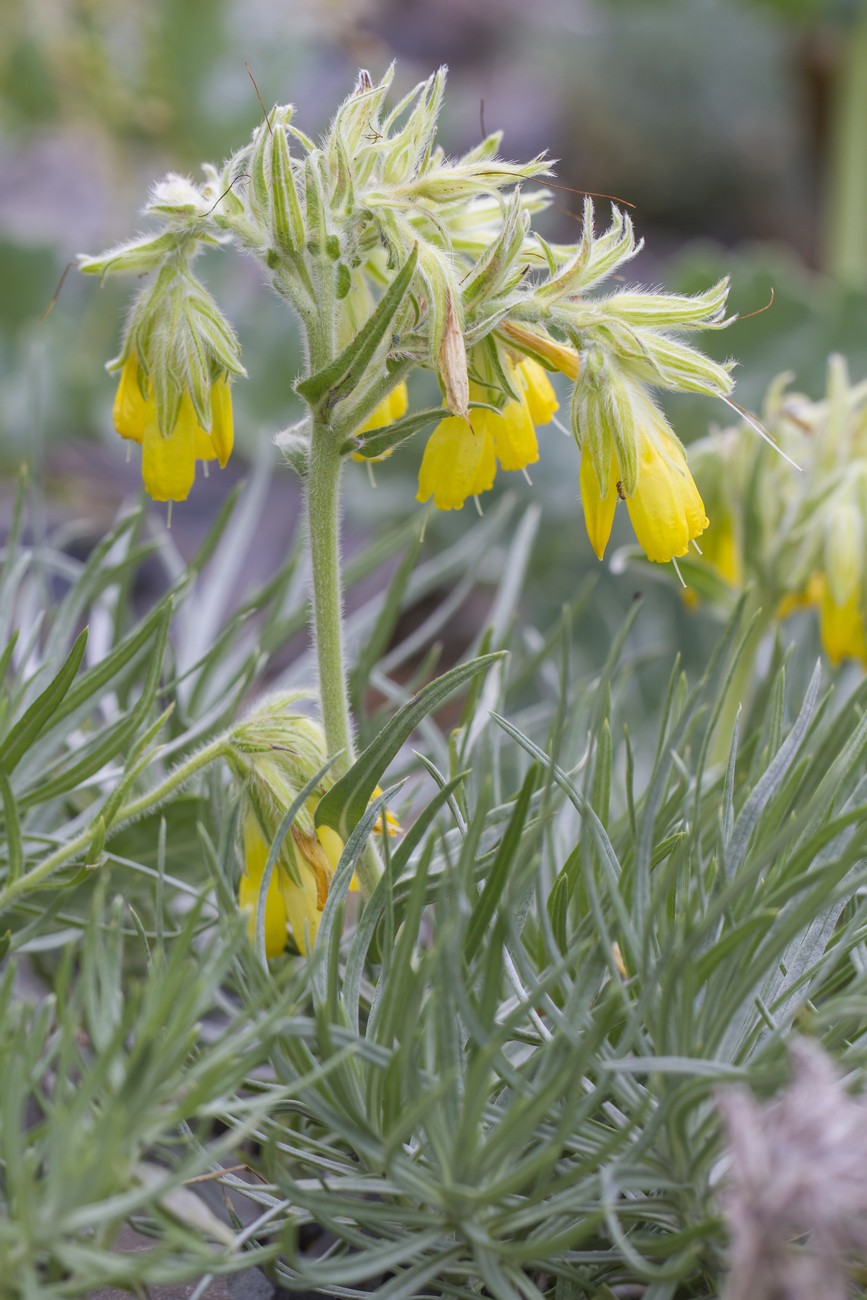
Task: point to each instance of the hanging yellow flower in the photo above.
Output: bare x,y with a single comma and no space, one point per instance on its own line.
169,464
391,408
841,626
665,508
460,459
297,891
299,884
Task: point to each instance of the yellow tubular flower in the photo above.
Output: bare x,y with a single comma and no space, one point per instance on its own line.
255,858
539,395
665,509
721,550
390,409
169,464
560,355
842,627
297,892
598,509
460,459
512,433
806,599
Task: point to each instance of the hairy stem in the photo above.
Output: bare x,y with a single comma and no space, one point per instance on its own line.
33,878
323,538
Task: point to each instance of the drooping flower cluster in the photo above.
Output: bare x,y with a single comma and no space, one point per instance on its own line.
799,538
169,463
394,257
462,454
278,752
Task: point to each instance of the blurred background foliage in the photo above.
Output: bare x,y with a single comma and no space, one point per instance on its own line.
728,123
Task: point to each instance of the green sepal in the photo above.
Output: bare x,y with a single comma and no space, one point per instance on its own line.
287,221
316,227
345,803
258,190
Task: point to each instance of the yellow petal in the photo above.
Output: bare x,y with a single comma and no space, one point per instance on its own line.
459,461
720,548
301,899
222,423
131,410
216,445
392,825
255,858
665,508
598,509
562,357
333,846
513,434
399,402
169,464
540,396
378,418
331,843
842,628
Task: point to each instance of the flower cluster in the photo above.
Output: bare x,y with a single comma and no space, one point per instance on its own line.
461,457
799,539
278,753
169,463
395,256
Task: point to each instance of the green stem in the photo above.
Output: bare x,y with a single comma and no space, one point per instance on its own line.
846,225
135,808
323,536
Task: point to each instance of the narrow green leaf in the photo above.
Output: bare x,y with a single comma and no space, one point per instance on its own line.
502,865
380,441
28,727
413,837
770,780
6,656
15,864
344,373
344,804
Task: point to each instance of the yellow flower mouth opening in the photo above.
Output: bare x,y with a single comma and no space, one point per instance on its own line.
169,464
461,456
665,509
